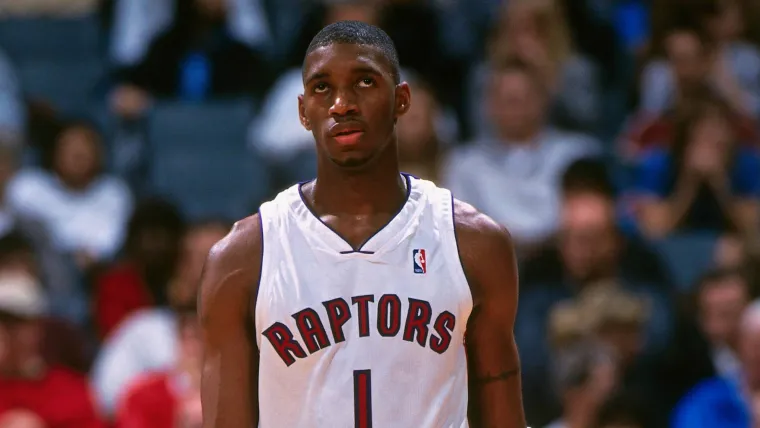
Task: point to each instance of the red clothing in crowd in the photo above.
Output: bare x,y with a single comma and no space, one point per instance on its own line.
61,399
149,403
119,292
646,132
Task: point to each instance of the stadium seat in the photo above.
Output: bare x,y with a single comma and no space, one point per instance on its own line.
68,86
688,256
51,39
200,158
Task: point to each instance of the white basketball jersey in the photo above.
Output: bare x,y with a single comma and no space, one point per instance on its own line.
366,338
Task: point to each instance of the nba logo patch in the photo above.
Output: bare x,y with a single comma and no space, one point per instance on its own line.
419,260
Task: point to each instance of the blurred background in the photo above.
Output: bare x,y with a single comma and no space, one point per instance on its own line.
616,139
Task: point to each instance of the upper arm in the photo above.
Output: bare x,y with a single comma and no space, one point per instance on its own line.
489,262
226,302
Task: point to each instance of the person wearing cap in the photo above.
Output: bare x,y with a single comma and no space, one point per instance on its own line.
30,388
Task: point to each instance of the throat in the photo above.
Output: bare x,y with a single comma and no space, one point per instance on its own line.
356,214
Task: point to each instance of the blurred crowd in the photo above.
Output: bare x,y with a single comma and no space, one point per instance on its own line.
616,139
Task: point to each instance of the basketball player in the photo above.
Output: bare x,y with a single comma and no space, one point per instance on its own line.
365,298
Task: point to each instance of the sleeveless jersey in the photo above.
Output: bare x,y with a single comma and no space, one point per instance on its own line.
365,338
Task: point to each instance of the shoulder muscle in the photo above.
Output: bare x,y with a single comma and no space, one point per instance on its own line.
230,280
486,251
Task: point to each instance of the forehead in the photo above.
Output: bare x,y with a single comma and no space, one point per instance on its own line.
345,58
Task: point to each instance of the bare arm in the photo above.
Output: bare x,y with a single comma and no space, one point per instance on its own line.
228,290
494,368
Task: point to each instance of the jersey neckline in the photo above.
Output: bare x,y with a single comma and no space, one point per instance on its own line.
339,243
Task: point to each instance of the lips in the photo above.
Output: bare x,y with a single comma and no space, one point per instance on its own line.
346,133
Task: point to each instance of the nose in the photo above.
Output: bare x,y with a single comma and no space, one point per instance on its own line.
344,104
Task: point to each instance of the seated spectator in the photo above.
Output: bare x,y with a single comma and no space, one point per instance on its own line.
536,32
140,279
646,132
194,60
728,402
706,181
31,389
146,340
84,209
722,296
590,249
420,135
170,397
706,339
24,235
586,374
514,177
731,66
136,23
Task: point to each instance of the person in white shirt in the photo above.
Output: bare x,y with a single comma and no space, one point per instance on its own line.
514,178
84,209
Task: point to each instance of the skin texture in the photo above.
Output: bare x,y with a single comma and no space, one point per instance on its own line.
357,191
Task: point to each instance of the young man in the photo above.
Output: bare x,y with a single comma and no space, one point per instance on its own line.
344,302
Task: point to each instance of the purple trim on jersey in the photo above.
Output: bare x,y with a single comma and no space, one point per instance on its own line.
407,177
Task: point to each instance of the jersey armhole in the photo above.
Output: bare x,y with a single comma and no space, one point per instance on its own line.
265,220
451,246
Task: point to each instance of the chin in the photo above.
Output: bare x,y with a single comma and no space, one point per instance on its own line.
353,163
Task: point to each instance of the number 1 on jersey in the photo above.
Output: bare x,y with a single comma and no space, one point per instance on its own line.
363,398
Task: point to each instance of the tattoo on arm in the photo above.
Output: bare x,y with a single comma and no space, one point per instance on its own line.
489,378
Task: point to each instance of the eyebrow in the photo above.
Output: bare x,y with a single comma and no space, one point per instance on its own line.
357,70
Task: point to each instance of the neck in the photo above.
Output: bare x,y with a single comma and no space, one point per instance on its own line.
522,136
379,188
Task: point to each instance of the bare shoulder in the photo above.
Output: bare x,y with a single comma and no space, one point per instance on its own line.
485,248
231,274
478,233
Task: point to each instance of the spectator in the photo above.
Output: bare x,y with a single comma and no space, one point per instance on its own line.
706,341
169,398
514,177
140,279
730,66
728,402
707,181
49,394
686,50
196,59
722,297
146,341
589,249
55,270
84,209
535,31
136,23
63,344
586,375
421,139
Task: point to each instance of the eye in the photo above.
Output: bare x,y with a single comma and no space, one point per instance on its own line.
366,82
320,87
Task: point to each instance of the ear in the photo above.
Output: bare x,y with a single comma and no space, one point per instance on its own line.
302,114
403,99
